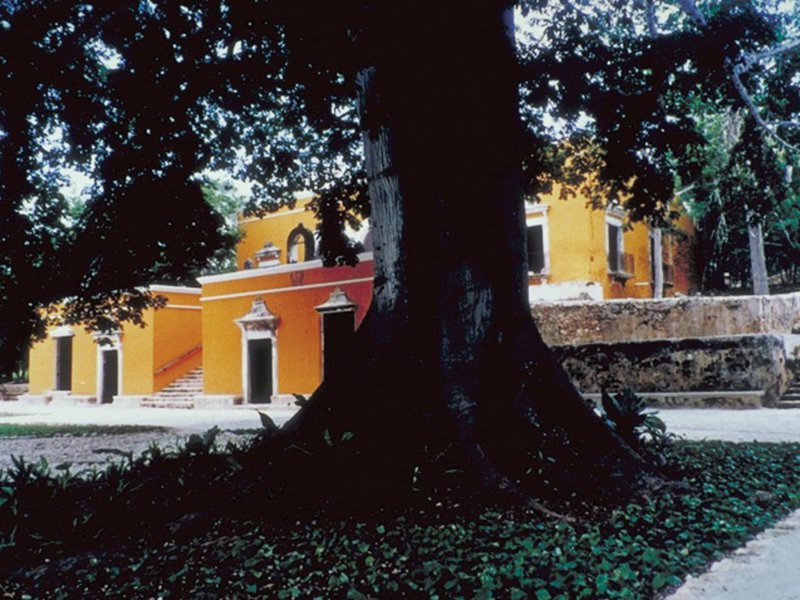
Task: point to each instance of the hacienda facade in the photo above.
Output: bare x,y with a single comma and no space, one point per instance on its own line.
270,329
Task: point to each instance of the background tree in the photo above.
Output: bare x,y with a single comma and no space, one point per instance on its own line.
415,106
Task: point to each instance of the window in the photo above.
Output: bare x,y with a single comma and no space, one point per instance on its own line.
536,262
300,245
615,245
620,264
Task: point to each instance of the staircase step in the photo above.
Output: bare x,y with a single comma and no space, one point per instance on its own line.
790,404
181,393
151,403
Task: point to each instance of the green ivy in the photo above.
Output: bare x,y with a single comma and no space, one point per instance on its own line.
448,551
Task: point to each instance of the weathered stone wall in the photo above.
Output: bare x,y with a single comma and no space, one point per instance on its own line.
12,391
691,317
717,364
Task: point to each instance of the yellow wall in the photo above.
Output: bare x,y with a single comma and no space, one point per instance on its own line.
273,228
42,366
290,293
136,352
137,358
177,338
578,249
168,334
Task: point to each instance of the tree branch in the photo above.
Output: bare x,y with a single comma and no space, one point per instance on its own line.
751,58
736,71
650,13
691,10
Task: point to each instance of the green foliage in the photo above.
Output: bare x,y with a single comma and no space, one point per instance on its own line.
444,548
141,98
157,483
627,414
743,181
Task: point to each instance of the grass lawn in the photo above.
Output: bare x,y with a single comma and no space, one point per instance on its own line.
12,430
444,549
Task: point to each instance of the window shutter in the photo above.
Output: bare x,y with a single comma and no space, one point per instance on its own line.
613,249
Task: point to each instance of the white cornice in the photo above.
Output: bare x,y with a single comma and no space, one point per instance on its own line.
294,288
261,272
536,209
175,289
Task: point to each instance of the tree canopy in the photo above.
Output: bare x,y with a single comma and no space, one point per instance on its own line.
145,97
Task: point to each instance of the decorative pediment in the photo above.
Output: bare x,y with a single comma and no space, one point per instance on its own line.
338,302
269,255
260,318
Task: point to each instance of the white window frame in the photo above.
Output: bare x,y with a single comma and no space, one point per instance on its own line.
615,217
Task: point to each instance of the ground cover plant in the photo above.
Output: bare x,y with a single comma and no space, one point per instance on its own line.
443,546
11,430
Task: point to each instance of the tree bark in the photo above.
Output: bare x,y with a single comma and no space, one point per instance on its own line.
658,263
758,261
449,356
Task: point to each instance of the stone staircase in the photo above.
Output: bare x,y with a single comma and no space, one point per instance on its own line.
181,393
791,397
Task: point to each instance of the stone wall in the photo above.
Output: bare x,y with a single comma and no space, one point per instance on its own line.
716,364
12,391
584,322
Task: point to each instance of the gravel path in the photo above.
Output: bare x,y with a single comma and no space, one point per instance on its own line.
176,425
95,450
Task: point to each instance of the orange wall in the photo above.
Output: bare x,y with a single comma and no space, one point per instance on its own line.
273,228
137,358
298,334
177,330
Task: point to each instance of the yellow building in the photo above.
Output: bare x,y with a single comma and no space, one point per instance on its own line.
126,365
575,252
267,330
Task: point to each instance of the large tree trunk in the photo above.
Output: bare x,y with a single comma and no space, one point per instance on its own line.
449,356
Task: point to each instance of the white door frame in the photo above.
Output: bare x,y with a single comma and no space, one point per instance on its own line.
258,324
116,344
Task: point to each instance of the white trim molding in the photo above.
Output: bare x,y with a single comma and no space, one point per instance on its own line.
286,289
536,209
175,289
184,306
261,271
62,331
